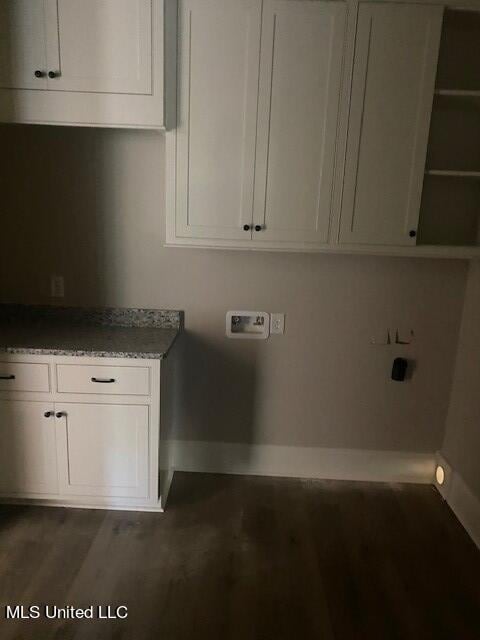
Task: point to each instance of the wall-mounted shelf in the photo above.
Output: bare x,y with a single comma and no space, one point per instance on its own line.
457,251
452,173
458,93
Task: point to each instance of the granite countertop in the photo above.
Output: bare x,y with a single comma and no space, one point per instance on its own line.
73,331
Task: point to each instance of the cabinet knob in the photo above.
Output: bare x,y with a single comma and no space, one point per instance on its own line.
246,227
412,233
53,74
39,74
258,227
48,414
60,414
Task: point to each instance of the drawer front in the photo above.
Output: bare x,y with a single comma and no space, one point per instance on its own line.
24,376
100,379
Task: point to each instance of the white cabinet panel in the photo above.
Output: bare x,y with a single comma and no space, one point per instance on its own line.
99,379
100,45
300,76
111,62
22,44
392,92
28,461
103,449
24,376
219,42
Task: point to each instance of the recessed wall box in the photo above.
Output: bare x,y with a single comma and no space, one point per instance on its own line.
248,324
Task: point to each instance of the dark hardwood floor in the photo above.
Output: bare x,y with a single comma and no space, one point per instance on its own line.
247,558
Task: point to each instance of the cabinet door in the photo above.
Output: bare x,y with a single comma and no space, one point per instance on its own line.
392,93
100,45
22,44
103,449
219,48
28,462
300,77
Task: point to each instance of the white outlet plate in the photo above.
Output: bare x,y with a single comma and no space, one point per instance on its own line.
277,323
404,335
381,336
57,286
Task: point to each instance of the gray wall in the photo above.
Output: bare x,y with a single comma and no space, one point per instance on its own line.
89,204
462,439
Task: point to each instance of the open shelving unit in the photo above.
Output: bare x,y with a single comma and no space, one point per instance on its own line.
450,211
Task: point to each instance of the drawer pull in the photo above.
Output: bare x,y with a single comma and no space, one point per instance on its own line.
9,377
49,414
61,414
103,380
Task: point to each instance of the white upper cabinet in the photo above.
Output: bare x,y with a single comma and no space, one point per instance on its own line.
395,63
219,45
99,62
300,74
22,44
259,90
100,46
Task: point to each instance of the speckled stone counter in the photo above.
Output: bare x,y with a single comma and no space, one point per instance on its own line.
74,331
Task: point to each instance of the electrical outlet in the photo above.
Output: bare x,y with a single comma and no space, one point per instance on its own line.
57,286
277,323
381,336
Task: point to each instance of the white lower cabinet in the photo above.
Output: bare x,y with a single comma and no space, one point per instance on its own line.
92,434
103,449
28,460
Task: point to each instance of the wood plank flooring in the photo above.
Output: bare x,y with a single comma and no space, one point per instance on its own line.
248,558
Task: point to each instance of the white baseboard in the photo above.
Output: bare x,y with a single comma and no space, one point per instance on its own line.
303,462
113,506
166,478
461,500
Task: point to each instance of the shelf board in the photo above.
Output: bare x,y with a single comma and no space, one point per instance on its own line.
462,252
458,93
452,173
